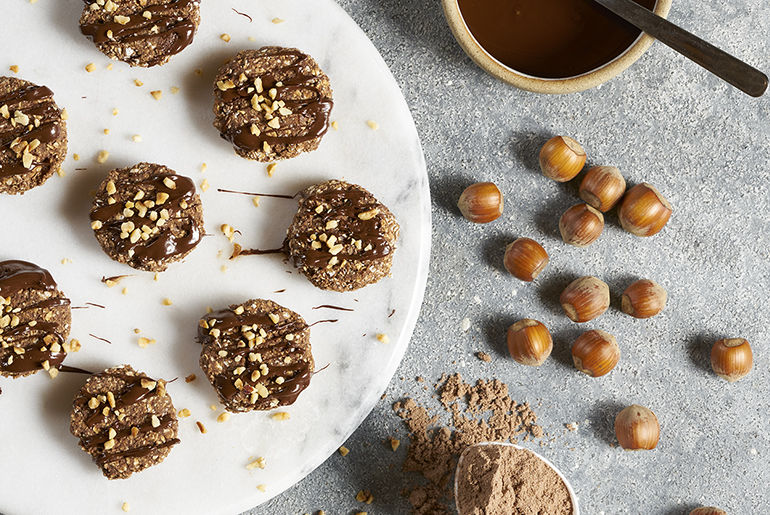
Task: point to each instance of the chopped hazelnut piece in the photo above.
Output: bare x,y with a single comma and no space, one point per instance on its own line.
394,443
190,378
138,83
102,157
184,413
344,450
372,125
262,488
157,94
167,302
382,337
277,20
125,507
201,427
271,169
335,125
14,68
136,138
90,67
256,463
223,417
281,415
204,185
225,37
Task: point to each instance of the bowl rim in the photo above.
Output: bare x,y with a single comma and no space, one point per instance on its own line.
572,495
582,82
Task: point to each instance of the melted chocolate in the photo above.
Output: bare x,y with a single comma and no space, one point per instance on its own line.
345,207
139,28
164,244
549,38
273,195
135,392
16,276
46,130
297,375
301,95
329,306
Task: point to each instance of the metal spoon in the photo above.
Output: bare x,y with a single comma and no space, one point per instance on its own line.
744,77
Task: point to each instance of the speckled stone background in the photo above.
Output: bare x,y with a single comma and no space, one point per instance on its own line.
706,146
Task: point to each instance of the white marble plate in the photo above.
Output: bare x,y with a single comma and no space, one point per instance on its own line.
42,470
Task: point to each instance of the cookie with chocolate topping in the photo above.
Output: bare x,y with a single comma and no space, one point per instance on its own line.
147,216
256,355
272,103
124,420
140,32
35,320
342,238
33,135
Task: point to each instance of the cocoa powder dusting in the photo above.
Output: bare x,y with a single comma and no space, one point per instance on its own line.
504,480
483,412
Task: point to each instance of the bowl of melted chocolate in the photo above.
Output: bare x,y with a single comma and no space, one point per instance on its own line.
548,46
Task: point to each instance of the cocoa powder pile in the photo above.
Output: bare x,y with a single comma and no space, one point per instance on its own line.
504,480
483,412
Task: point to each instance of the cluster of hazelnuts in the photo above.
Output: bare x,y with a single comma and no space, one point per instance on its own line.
643,211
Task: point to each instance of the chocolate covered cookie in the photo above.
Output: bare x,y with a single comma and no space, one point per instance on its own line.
141,32
342,238
256,355
124,420
35,320
33,135
272,103
147,216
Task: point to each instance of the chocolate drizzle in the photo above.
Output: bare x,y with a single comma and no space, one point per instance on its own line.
28,342
299,92
344,206
272,349
165,18
44,126
163,245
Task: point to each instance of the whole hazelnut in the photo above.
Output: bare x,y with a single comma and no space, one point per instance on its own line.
708,510
581,225
644,299
732,359
637,428
585,299
595,353
481,202
644,211
525,259
562,158
529,342
602,187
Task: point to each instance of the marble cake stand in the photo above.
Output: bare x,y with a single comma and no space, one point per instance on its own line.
41,466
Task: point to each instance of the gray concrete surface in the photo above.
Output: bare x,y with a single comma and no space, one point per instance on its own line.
665,121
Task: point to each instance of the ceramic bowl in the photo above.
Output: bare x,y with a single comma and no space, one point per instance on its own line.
542,85
572,496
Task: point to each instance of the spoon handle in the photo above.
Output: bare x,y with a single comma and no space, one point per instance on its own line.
744,77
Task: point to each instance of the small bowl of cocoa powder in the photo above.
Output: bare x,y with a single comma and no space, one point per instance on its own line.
495,478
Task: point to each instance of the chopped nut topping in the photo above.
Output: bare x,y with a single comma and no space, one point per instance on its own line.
190,378
344,450
281,415
167,302
125,507
109,444
169,183
383,338
223,417
225,37
368,215
90,67
372,125
271,169
122,19
102,157
184,413
157,94
155,421
148,384
394,443
96,225
256,463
